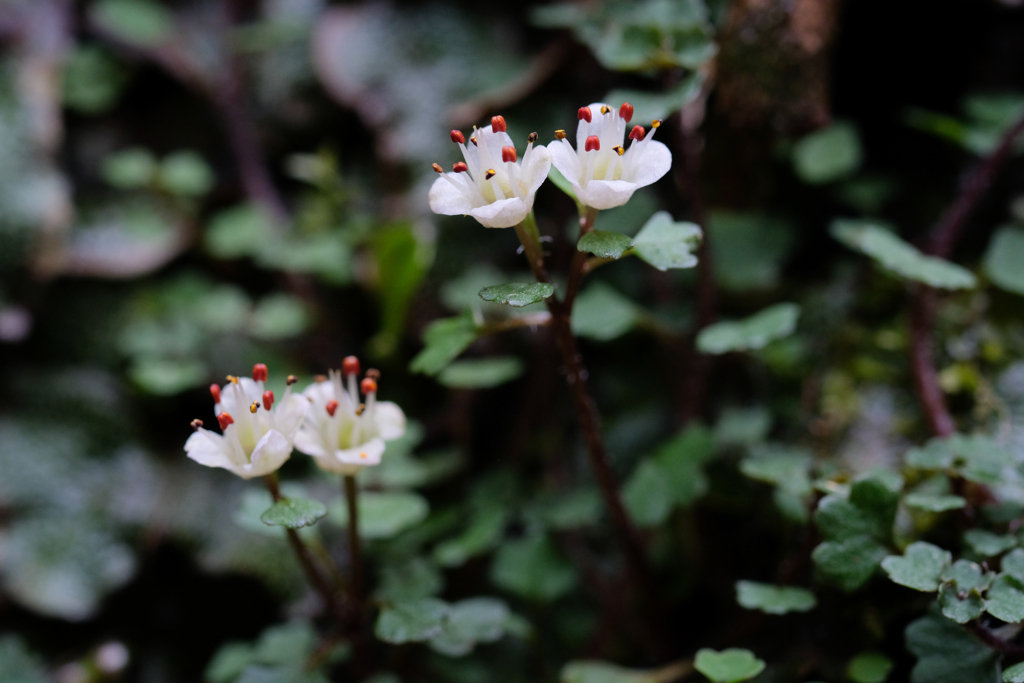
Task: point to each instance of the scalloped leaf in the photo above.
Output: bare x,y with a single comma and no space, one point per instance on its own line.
665,244
517,294
604,243
920,567
411,622
294,513
774,599
750,333
728,666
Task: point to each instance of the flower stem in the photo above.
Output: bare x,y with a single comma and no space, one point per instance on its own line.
305,557
354,546
578,267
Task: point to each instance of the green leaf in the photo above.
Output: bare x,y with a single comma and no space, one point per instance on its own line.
580,508
728,666
900,258
750,333
93,80
1003,258
294,513
986,543
920,567
1013,564
186,174
748,249
414,579
409,622
1005,599
603,314
1014,674
829,154
869,667
649,105
665,244
967,576
647,495
788,468
129,169
518,294
484,532
167,376
604,244
239,231
443,341
603,672
17,664
136,21
533,569
849,563
468,622
947,653
279,316
774,599
960,605
481,373
383,515
681,461
933,502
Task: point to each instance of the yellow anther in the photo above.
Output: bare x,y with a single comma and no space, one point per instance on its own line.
656,123
620,149
605,109
254,407
559,134
490,174
232,379
473,140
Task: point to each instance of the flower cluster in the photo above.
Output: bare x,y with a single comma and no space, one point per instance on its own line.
326,421
492,186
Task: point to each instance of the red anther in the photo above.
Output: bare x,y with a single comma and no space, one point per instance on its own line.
268,399
458,137
437,168
196,425
350,366
498,124
593,144
460,167
626,111
508,154
259,372
637,133
332,407
368,386
584,113
215,392
225,419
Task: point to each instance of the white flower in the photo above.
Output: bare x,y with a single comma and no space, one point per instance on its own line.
490,185
603,173
258,432
342,435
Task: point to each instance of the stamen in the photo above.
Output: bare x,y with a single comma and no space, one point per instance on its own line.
268,399
368,385
373,373
332,407
292,379
460,167
619,149
626,111
584,113
259,372
458,137
360,409
254,407
532,137
593,144
437,167
225,419
196,425
473,140
498,124
508,154
637,133
605,109
232,379
559,134
215,392
350,366
656,123
319,378
490,174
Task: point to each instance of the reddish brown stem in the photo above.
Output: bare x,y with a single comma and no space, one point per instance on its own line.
578,266
942,238
354,546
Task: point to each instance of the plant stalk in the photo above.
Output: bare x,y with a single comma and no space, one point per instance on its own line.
354,546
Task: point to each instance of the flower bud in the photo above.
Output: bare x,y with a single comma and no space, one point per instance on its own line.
268,399
350,366
593,144
225,419
508,154
259,372
584,113
458,137
626,111
498,124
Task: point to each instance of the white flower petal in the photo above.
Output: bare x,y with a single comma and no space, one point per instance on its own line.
210,449
537,172
270,453
390,420
654,162
563,157
288,416
308,441
352,460
503,213
448,200
607,194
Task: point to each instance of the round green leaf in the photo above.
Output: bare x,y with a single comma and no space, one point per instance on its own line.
665,244
1003,259
754,332
967,575
1015,674
869,667
774,599
472,621
728,666
294,513
532,568
129,169
1005,599
604,244
1013,564
603,314
383,515
186,174
920,567
828,154
518,294
408,622
933,502
960,605
443,341
481,373
988,544
850,562
136,21
603,672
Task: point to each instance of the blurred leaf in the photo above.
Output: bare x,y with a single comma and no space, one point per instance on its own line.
934,502
383,515
532,568
167,376
754,332
468,622
443,341
960,609
485,530
850,562
141,22
129,169
580,508
517,294
728,666
279,656
237,232
604,244
898,257
774,599
920,567
604,672
403,258
665,244
481,373
1003,257
414,621
17,664
409,581
293,513
743,426
326,255
748,249
1014,674
988,544
603,314
788,468
650,106
279,316
869,667
1013,564
967,575
93,80
1005,599
185,174
647,495
947,653
829,154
